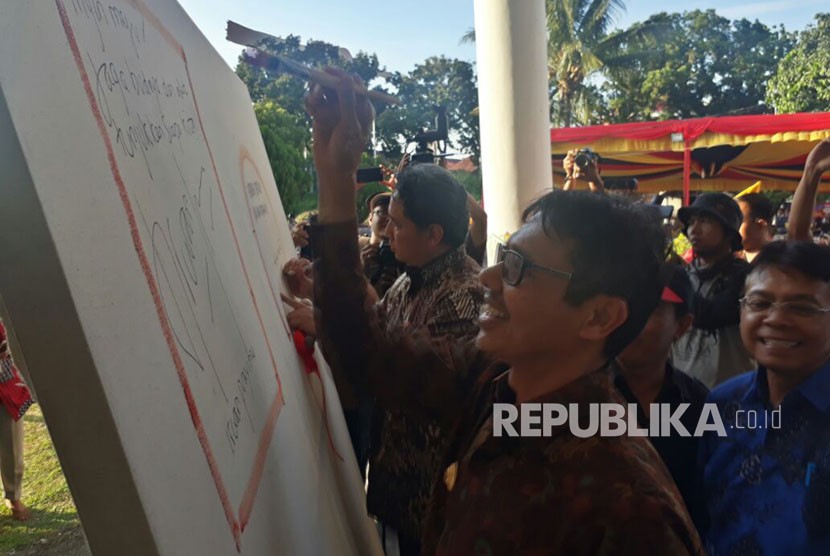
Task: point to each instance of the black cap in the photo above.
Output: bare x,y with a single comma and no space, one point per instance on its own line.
677,288
720,206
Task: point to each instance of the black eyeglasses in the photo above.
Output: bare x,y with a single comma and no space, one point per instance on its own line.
514,265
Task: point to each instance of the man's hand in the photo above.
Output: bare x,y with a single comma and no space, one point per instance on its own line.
403,163
478,230
369,254
301,316
804,199
568,164
588,173
341,126
299,235
299,277
818,161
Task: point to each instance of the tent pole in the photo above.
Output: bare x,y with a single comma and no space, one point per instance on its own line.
687,171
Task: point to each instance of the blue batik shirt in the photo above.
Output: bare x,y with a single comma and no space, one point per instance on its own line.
767,489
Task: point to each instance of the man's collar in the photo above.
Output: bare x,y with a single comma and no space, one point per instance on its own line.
433,270
714,269
591,388
815,389
668,390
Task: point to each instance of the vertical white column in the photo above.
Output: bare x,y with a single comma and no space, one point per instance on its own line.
511,53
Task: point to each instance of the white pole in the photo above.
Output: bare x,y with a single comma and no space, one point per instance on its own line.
514,110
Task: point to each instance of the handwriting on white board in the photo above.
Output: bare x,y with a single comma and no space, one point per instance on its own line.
139,87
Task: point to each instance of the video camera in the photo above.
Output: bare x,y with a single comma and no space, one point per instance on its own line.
423,152
424,137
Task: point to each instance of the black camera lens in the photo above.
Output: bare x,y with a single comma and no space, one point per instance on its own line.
582,160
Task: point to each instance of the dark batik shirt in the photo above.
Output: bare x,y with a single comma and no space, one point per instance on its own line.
679,453
555,495
412,351
767,489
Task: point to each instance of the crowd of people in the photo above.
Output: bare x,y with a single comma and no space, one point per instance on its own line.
583,305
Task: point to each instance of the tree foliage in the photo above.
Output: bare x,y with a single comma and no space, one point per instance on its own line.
285,127
701,64
286,142
802,82
288,91
581,47
439,81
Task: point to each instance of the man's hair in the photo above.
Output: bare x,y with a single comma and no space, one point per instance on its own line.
431,195
759,206
808,258
380,200
617,250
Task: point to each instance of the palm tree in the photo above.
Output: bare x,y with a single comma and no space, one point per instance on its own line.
581,47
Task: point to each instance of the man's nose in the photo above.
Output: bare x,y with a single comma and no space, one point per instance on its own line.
490,277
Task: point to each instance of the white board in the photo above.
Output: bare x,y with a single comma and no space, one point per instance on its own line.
140,204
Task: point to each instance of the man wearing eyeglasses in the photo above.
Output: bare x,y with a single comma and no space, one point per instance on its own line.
767,482
568,293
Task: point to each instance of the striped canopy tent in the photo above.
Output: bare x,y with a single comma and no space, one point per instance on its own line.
702,154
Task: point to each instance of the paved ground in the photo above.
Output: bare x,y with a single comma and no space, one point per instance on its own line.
71,543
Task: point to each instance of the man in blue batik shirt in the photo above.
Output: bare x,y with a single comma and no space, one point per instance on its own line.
767,482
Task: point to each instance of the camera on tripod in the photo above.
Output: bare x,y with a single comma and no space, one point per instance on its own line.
423,152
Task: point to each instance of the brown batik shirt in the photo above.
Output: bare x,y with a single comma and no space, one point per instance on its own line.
415,349
554,495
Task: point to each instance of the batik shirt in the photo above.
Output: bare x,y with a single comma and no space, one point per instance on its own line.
767,489
561,494
414,351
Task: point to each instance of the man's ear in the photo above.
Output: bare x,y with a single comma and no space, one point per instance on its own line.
605,314
683,324
435,234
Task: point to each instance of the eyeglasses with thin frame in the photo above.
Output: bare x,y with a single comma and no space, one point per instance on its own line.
380,213
758,305
514,265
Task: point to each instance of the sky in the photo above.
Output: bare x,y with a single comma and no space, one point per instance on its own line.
403,34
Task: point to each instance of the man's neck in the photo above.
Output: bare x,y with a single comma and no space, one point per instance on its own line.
429,259
532,379
708,260
645,382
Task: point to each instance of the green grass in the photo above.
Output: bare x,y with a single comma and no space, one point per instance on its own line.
44,492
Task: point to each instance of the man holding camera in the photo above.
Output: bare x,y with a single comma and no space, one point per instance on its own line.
379,263
582,165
